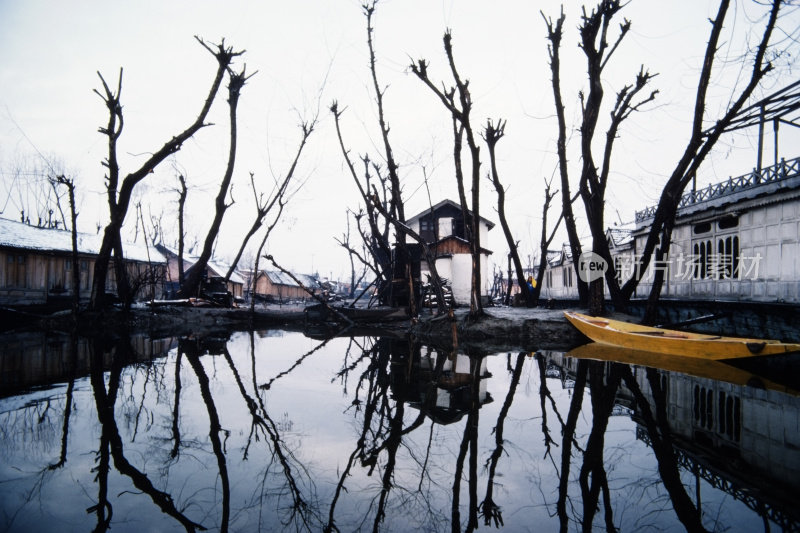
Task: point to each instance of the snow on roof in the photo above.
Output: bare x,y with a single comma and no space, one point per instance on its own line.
279,278
217,267
619,236
554,257
446,203
15,234
221,269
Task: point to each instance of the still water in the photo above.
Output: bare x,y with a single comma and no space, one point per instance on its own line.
278,431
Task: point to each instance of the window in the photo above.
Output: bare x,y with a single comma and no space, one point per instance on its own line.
701,260
728,256
730,416
728,222
426,230
567,278
703,227
15,271
703,407
716,256
728,411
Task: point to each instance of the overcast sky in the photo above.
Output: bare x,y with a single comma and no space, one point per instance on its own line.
309,53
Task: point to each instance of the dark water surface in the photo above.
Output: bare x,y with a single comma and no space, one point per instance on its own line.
276,431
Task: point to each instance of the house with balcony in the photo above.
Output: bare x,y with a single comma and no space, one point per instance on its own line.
447,234
736,240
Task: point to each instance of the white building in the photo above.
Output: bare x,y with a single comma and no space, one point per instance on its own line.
442,226
735,240
738,240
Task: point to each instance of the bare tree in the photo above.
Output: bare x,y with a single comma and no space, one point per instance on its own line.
555,32
394,210
597,49
280,191
492,134
458,101
119,191
69,183
191,283
182,193
545,240
701,142
378,238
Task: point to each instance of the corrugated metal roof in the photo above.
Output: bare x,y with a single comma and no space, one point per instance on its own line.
619,236
15,234
279,278
221,269
216,266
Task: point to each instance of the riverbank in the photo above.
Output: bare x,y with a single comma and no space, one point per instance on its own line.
499,329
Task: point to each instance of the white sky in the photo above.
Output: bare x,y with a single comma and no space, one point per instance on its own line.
52,51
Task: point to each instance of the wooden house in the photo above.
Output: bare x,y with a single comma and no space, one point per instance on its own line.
36,265
560,280
444,229
273,285
214,269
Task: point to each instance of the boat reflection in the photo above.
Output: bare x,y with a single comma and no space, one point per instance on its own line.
692,366
275,430
734,429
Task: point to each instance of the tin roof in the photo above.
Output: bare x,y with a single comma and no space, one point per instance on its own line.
21,236
279,278
444,204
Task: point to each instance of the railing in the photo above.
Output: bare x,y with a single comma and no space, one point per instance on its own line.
755,500
781,171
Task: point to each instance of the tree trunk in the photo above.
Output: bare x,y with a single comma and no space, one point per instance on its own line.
119,200
192,282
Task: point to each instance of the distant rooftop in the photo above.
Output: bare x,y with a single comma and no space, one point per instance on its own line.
279,278
444,204
216,266
784,175
18,235
619,236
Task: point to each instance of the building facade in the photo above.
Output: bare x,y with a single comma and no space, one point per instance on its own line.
737,240
443,228
36,265
273,285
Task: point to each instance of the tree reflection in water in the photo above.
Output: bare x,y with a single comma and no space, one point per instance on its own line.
260,432
111,441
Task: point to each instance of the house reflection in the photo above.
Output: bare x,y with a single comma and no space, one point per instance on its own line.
438,383
39,359
738,438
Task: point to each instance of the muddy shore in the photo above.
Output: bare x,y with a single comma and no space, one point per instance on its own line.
500,329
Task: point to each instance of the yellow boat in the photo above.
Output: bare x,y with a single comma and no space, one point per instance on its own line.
690,366
649,339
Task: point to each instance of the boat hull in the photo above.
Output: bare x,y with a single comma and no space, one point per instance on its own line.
634,336
690,366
